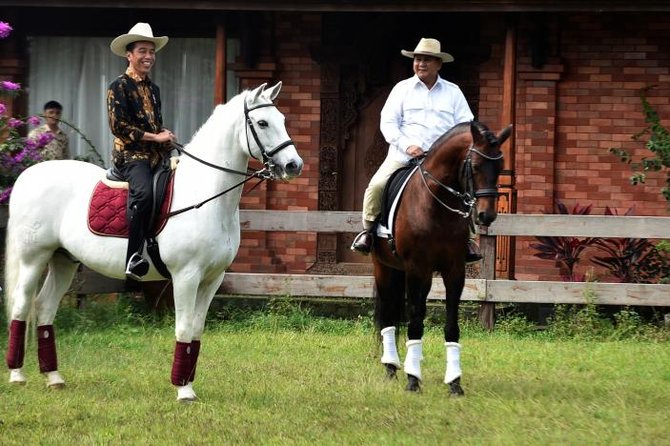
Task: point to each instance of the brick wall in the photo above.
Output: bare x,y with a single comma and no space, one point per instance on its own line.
584,101
287,59
569,112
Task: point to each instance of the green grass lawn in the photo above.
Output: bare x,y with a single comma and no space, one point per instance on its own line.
296,379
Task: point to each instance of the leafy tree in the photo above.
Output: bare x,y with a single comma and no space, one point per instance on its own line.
658,143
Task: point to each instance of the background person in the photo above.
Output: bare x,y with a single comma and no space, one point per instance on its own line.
58,148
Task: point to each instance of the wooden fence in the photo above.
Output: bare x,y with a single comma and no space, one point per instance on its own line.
488,290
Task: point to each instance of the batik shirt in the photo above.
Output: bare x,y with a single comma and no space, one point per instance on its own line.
133,108
58,147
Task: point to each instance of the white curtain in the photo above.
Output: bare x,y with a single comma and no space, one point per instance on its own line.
76,72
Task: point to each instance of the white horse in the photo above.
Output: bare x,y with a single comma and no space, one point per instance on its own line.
47,228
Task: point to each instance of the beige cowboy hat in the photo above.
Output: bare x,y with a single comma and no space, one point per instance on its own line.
429,47
141,32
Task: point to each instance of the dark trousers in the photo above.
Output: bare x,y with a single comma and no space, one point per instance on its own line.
140,195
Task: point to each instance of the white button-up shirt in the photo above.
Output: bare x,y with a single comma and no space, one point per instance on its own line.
415,115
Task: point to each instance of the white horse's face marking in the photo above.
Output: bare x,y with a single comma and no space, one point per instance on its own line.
269,125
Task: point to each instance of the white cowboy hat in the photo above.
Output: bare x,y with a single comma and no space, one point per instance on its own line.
429,47
141,32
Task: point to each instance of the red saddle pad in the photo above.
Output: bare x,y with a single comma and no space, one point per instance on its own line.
107,210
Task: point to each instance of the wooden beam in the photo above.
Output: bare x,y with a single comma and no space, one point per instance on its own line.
549,292
303,221
323,285
560,225
507,114
220,67
478,290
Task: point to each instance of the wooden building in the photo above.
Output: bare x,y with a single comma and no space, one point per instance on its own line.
567,74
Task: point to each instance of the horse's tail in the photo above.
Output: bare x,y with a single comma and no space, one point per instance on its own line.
11,268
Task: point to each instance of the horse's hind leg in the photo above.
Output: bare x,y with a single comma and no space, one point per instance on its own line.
58,280
21,291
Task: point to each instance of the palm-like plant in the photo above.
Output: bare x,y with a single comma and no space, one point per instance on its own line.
565,251
630,260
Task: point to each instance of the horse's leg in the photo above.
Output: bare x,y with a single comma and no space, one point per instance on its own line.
185,287
454,281
204,298
417,289
389,300
59,277
28,273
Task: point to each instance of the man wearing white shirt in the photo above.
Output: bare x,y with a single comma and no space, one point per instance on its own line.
417,112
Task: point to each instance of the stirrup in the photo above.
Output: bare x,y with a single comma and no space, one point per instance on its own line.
360,245
137,267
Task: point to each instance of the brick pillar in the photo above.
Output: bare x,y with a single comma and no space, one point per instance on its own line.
536,135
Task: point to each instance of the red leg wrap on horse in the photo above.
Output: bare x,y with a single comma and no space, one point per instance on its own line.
17,339
46,348
181,364
195,351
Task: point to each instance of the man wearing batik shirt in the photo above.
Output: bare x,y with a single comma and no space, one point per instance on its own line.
134,111
58,147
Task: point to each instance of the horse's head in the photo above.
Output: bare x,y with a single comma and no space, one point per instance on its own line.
483,163
265,133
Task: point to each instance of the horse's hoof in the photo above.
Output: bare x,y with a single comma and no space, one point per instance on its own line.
17,377
455,388
413,384
185,394
391,371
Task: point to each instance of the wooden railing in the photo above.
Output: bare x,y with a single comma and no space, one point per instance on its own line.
487,290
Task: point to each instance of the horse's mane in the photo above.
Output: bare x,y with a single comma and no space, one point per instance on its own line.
226,112
462,128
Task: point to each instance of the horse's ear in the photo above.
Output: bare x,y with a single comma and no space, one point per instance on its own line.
477,129
255,94
273,92
504,134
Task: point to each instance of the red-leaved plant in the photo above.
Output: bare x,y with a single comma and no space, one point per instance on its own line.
632,260
565,251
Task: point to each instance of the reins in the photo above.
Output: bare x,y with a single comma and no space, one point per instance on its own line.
469,197
264,174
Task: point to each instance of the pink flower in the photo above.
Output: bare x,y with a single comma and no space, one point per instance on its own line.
45,138
2,108
10,86
34,121
14,123
5,29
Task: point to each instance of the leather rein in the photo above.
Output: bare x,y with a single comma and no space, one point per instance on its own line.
266,173
469,197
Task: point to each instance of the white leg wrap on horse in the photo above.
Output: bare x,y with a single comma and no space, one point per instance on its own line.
54,380
453,361
16,376
413,358
390,355
186,393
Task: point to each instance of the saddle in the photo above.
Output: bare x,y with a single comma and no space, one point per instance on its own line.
391,198
107,210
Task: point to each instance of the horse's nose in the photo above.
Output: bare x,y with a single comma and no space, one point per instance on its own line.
485,218
294,167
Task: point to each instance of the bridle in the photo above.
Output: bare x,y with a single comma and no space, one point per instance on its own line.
266,173
469,196
267,154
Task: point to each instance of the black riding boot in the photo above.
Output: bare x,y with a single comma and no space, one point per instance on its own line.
136,265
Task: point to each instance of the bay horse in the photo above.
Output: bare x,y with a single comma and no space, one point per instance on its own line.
458,176
47,229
